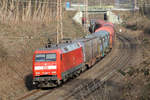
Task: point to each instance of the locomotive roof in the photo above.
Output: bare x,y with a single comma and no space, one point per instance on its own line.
65,47
86,38
101,34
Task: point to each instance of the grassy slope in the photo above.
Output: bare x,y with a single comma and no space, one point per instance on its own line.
137,80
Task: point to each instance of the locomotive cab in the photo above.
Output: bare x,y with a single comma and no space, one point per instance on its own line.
45,67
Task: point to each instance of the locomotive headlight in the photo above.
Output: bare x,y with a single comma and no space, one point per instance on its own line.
51,67
38,67
53,72
37,73
34,83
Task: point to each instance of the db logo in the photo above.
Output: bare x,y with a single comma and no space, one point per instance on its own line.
45,67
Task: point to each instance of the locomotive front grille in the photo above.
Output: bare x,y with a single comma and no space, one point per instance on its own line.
45,78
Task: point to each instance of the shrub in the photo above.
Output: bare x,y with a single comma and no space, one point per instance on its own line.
121,72
146,72
3,52
131,71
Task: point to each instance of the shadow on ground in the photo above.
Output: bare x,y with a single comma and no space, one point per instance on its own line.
28,82
29,85
132,27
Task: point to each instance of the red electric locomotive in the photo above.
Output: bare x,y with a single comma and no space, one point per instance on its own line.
53,65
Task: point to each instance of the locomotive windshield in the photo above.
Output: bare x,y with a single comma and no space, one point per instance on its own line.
45,57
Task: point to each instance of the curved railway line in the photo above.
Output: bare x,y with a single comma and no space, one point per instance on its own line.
80,87
121,60
128,48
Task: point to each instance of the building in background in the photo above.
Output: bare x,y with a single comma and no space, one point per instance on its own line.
129,4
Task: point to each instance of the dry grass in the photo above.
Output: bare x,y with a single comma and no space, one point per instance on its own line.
16,11
136,22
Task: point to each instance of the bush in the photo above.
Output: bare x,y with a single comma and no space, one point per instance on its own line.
121,72
146,72
3,52
131,71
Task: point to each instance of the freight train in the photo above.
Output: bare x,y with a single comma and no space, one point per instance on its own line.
54,65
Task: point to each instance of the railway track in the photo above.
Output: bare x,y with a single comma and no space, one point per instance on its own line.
121,60
82,88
